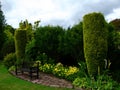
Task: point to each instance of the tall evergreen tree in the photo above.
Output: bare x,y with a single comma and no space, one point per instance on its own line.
2,24
20,44
95,42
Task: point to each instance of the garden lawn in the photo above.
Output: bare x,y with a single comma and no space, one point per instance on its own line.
9,82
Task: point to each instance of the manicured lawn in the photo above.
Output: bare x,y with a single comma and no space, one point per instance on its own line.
9,82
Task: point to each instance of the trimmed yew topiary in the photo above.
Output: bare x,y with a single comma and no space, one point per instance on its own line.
20,44
95,42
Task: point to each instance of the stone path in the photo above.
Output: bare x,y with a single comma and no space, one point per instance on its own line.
47,80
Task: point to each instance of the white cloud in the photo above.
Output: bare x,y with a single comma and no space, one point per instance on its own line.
114,15
57,12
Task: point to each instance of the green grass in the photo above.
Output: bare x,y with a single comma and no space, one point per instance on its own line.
9,82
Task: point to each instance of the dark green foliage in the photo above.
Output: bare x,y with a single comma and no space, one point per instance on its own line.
113,48
64,46
9,60
20,44
2,24
95,42
8,47
9,44
47,40
43,58
10,29
71,45
31,50
103,82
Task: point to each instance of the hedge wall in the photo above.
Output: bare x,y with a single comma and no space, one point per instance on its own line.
95,42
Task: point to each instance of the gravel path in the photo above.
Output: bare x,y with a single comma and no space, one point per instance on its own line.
47,80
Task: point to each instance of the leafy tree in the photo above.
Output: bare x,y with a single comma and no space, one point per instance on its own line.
95,36
10,29
2,24
9,44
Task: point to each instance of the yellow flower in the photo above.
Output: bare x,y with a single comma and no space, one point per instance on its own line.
72,70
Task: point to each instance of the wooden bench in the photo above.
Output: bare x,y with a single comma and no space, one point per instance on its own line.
28,68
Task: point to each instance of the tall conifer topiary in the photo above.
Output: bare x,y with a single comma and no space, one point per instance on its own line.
95,42
20,44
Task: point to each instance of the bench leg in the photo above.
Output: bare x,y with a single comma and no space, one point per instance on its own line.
30,74
22,72
37,74
16,69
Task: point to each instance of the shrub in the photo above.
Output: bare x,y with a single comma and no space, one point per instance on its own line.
95,42
44,58
9,60
47,68
31,51
116,75
72,70
12,68
20,44
81,82
59,70
69,73
82,69
9,44
103,82
8,47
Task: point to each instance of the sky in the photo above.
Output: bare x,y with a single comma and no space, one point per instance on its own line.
64,13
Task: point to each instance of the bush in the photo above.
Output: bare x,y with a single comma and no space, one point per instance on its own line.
59,70
95,42
9,60
80,71
83,69
9,44
81,82
44,58
20,44
31,51
69,73
12,68
47,68
116,75
8,47
103,82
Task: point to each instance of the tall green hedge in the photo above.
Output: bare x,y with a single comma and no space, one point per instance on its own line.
95,42
20,44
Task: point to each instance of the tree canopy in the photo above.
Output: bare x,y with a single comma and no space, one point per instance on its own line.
2,24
